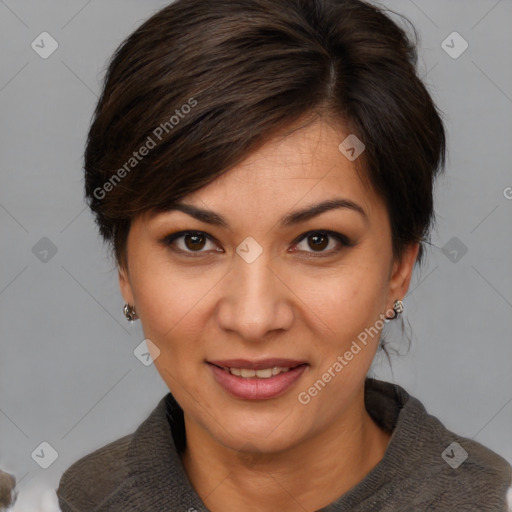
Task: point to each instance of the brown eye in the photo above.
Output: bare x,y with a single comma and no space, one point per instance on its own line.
324,243
318,242
190,242
195,242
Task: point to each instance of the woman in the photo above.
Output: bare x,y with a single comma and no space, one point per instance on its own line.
263,170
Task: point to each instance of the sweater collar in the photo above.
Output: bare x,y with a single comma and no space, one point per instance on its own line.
156,472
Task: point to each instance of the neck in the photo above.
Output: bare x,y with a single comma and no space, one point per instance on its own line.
308,476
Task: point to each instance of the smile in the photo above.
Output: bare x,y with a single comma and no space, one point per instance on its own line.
257,380
266,373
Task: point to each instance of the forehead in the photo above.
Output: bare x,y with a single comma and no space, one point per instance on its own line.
298,166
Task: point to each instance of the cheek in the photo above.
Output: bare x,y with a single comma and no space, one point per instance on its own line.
341,302
169,308
167,296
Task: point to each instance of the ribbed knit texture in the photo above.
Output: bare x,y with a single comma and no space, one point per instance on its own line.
143,471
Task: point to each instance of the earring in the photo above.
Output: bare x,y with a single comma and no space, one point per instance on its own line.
129,312
398,309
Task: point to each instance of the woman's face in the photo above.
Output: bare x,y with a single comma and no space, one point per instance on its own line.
258,285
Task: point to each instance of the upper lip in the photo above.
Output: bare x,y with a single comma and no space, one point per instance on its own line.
257,365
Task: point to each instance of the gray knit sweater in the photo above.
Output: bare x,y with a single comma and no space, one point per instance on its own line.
425,468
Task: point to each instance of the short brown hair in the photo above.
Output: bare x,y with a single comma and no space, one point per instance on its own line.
201,84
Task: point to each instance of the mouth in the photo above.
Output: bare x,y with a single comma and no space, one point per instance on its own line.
257,380
263,369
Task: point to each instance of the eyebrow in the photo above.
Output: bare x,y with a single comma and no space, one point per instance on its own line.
291,219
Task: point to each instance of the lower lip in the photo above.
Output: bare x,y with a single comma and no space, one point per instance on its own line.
254,388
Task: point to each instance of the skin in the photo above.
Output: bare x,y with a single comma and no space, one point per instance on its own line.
295,300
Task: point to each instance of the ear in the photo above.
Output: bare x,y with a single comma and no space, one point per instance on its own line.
401,274
125,285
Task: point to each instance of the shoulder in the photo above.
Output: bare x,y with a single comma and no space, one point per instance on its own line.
462,474
427,466
97,474
452,472
116,476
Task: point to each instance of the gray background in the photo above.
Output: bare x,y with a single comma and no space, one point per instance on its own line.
68,375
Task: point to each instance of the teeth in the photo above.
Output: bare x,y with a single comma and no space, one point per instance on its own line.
261,374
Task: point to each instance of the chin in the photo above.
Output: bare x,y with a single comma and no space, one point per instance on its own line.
267,433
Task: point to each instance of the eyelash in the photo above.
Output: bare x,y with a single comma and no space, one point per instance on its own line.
341,239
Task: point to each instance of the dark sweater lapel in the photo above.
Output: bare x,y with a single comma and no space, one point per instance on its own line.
156,477
143,472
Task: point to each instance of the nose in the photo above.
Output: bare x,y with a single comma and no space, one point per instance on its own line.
255,303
